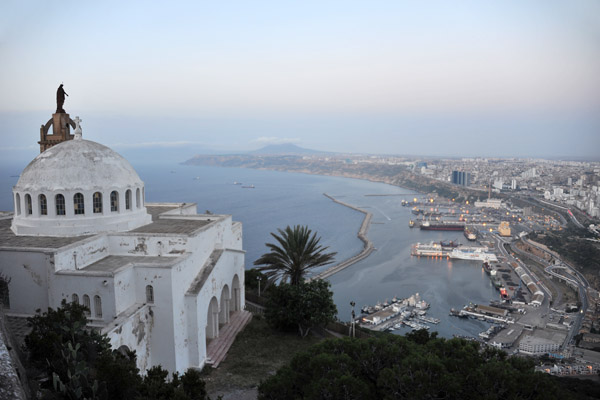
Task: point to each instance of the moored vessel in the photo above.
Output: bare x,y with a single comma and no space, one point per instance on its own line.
442,226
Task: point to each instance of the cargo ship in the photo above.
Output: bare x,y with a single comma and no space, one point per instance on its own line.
442,226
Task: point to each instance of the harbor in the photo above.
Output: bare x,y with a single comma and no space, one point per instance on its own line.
434,249
409,312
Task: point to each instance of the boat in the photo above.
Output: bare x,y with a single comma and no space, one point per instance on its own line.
411,224
404,203
449,243
431,249
429,319
237,183
473,253
487,267
442,226
248,187
470,235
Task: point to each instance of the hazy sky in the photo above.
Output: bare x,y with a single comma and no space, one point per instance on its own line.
506,78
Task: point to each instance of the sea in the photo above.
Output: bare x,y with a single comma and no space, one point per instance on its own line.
278,199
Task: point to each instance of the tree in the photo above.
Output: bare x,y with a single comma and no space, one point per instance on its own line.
298,251
422,367
79,363
302,306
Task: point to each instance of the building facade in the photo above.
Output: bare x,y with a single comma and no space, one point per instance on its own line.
159,279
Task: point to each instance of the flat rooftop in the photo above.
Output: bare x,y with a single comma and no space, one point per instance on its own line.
113,263
9,239
183,226
175,226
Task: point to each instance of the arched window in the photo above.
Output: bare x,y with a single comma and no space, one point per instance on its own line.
43,204
97,202
98,306
149,294
78,205
114,201
18,201
86,304
60,204
137,198
128,199
28,205
74,298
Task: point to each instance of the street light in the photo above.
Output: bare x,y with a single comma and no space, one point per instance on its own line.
352,327
258,279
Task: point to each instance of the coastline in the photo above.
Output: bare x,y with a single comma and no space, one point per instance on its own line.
362,235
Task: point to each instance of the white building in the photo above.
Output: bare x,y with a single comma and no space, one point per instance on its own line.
534,345
489,203
159,279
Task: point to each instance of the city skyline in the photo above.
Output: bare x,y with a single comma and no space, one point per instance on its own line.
462,79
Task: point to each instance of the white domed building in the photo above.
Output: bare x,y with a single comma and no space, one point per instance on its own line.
159,279
78,187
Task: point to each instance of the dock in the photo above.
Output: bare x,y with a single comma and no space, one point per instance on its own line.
368,246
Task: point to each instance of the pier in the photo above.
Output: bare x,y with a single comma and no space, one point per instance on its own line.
362,235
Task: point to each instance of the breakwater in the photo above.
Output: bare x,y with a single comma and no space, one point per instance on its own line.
362,235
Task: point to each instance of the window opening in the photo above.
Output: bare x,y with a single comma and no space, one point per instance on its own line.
149,294
60,204
114,201
28,204
98,306
97,202
43,204
78,205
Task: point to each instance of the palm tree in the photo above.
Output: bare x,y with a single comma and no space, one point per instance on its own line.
296,253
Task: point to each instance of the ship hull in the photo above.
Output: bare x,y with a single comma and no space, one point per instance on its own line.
443,228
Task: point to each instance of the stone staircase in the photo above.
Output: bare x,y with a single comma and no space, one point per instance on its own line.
217,349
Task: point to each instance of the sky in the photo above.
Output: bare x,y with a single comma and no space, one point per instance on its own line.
443,78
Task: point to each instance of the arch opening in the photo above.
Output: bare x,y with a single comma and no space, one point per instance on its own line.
78,204
114,201
212,319
97,202
43,204
60,204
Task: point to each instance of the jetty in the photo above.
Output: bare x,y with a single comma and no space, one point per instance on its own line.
362,235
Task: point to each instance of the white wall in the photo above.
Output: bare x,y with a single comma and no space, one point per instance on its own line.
28,273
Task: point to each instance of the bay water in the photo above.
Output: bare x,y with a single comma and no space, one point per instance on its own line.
278,199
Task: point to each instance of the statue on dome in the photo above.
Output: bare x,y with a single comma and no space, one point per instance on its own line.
60,99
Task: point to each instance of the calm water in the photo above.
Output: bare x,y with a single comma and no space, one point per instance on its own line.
280,199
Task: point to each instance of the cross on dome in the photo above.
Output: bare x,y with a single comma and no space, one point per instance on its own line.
77,132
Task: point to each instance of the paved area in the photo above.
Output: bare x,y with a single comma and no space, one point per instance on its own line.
175,226
112,263
9,239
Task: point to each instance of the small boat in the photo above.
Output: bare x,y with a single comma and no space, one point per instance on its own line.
248,187
449,243
237,183
411,224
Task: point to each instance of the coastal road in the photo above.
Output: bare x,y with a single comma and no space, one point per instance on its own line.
582,286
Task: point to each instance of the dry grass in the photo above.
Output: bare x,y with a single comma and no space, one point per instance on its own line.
257,352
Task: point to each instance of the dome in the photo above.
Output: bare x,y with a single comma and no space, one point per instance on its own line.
78,187
77,164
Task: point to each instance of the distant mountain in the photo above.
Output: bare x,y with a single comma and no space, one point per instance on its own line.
284,149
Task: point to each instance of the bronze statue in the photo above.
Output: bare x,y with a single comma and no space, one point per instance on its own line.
60,99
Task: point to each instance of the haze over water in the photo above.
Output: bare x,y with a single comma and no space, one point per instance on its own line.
280,199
